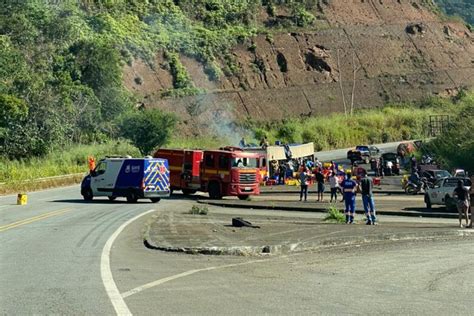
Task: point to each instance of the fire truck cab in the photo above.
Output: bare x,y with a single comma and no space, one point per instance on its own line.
225,172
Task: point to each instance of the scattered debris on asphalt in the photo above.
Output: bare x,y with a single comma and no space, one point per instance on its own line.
240,222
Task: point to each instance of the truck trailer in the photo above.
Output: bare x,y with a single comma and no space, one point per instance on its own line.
225,172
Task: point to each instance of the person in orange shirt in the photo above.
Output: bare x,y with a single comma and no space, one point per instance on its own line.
91,161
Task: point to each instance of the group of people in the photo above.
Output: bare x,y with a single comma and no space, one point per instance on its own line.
349,189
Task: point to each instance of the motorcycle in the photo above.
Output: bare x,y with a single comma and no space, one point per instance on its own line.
414,188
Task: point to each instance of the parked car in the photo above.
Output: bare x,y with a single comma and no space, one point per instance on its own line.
435,174
442,191
363,153
393,157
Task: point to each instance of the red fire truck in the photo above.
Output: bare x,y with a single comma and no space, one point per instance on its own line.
225,172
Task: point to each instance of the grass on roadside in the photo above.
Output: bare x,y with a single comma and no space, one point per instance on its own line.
29,186
334,215
394,122
60,162
199,210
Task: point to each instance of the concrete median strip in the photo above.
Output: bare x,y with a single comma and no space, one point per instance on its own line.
313,207
211,236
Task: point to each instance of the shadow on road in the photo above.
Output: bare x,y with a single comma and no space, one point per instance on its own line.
121,200
424,209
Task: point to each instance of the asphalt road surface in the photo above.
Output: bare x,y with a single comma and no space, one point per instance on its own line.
57,251
340,155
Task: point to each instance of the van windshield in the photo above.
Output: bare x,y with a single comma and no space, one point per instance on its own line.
244,162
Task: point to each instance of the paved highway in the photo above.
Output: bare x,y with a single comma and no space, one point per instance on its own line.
340,155
55,260
59,255
51,252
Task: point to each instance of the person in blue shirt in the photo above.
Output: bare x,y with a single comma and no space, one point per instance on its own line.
349,188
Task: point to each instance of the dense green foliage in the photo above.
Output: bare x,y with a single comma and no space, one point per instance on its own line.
66,161
148,129
61,61
462,8
455,147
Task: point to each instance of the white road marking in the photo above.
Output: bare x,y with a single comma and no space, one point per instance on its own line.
116,299
184,274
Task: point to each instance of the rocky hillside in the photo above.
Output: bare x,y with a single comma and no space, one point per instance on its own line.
77,71
383,50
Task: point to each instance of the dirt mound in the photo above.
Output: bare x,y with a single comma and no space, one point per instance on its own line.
392,51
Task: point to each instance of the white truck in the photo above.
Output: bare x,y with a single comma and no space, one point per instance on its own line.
442,191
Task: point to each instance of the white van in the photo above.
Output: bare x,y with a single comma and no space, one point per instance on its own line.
133,178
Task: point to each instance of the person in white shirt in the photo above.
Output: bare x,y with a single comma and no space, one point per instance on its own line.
389,167
334,184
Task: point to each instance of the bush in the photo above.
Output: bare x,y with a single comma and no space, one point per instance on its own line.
148,129
302,17
287,132
334,215
455,147
180,75
199,210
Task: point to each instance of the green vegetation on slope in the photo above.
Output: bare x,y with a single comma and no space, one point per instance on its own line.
61,61
395,122
461,8
455,147
391,123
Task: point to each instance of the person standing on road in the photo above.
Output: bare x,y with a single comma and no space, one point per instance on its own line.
282,173
304,176
366,185
317,163
320,181
349,187
389,165
334,184
471,196
461,194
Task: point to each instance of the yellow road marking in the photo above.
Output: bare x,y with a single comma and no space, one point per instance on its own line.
33,219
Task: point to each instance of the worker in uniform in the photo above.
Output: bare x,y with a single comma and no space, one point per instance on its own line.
349,188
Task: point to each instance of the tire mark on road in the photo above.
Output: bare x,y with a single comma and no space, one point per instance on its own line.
96,240
434,283
97,226
81,241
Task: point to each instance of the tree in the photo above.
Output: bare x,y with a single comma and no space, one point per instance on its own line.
455,146
148,129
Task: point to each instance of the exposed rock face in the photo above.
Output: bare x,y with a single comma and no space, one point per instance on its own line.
395,50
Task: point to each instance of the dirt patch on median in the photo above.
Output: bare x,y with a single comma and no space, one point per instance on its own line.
214,235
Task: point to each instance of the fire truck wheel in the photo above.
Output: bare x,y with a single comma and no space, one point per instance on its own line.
188,191
155,200
112,198
214,191
244,197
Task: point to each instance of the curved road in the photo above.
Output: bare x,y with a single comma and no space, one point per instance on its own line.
51,250
51,264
